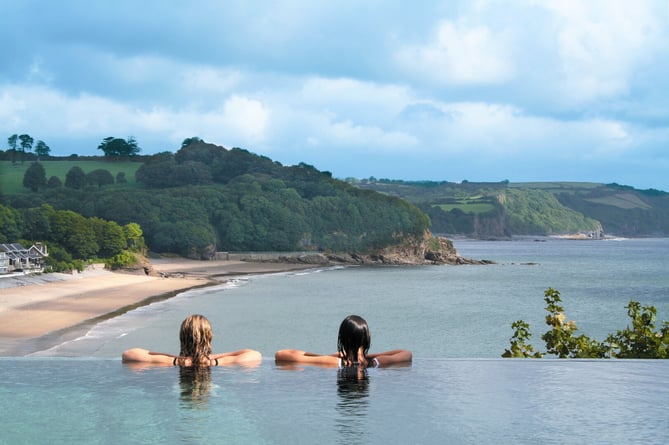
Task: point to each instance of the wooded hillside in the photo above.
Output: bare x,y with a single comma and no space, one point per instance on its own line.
503,209
205,198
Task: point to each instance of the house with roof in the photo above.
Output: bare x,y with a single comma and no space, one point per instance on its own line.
16,258
4,262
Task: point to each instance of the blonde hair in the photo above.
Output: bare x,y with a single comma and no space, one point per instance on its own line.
195,336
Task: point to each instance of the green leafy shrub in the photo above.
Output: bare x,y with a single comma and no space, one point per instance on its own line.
639,341
519,347
123,259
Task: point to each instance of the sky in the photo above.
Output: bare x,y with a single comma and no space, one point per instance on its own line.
518,90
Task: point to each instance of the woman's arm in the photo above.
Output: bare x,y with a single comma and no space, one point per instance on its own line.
139,355
304,357
394,357
243,356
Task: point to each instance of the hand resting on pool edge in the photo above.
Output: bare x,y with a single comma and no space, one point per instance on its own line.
353,345
195,337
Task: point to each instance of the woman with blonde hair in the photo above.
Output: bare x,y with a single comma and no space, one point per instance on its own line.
353,345
195,337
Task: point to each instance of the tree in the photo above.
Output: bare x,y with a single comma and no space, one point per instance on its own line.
26,144
158,172
12,141
75,178
133,234
41,149
112,146
100,177
74,233
11,224
54,182
110,237
35,177
37,222
186,142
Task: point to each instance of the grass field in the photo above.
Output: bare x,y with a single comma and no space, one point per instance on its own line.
553,186
11,176
622,200
468,207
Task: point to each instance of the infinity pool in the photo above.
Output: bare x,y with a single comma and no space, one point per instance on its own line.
94,401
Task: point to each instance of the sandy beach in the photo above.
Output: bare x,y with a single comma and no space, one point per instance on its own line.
35,306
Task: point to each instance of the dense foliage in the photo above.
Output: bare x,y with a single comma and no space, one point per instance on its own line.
206,198
35,177
112,146
502,209
538,212
641,340
71,238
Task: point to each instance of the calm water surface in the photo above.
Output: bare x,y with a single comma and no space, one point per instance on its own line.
436,311
64,401
455,319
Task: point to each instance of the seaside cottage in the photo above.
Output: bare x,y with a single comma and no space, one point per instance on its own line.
16,258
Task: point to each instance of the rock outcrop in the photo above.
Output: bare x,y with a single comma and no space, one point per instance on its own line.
429,249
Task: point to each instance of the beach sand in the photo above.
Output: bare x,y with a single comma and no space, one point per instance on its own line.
35,306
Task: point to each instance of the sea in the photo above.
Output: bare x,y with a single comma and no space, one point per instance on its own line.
455,319
436,311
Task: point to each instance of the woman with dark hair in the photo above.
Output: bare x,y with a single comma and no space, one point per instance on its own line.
352,350
195,337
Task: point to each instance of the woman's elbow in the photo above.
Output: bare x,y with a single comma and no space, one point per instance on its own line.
285,355
132,355
250,355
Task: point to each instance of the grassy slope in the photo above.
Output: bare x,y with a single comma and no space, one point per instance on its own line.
11,176
620,209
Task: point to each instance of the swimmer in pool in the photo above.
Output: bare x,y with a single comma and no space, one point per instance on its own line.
195,336
352,350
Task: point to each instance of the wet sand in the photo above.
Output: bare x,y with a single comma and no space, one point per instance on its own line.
35,306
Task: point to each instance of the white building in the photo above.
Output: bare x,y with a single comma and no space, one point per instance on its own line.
15,258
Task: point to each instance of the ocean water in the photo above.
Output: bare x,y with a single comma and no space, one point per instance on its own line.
456,320
436,311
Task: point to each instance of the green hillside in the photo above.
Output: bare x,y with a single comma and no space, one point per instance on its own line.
503,209
206,198
11,175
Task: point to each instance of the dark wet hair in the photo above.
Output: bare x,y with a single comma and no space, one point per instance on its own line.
353,335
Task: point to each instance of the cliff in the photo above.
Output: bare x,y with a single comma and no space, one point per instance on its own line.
428,249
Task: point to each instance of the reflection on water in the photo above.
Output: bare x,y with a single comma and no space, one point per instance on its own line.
352,405
195,386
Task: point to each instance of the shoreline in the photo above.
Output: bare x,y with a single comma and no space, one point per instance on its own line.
40,311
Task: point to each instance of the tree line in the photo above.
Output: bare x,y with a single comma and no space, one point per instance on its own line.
19,145
35,178
72,238
205,198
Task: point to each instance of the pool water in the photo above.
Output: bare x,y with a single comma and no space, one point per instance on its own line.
440,401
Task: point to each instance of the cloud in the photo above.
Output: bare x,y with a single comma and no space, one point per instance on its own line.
458,88
459,54
603,44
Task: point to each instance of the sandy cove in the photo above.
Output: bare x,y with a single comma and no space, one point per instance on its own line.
32,307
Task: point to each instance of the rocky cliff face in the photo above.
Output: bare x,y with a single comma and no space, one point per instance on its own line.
491,227
429,249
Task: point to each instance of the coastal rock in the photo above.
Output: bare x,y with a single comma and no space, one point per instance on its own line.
429,249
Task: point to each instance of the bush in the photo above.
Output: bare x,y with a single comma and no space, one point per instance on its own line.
639,341
123,259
